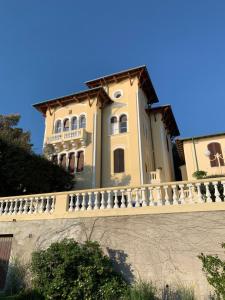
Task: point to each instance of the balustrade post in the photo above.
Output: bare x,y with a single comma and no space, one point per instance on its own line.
223,183
116,199
83,202
52,205
109,200
217,194
15,207
174,187
199,194
31,206
11,207
182,196
151,198
77,205
102,206
129,198
207,194
89,201
122,199
159,196
71,204
36,205
167,202
21,206
96,206
47,208
143,197
1,207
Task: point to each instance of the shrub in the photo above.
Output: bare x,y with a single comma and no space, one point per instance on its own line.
178,292
214,269
68,270
140,291
199,174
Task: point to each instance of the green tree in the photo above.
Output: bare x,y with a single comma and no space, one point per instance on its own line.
214,267
10,133
68,270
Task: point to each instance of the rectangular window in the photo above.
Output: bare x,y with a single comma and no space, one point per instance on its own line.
80,161
63,161
71,162
5,249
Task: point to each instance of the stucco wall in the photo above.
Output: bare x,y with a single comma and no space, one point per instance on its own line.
162,248
202,160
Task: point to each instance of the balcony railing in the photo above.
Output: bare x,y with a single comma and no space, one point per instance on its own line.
169,197
67,135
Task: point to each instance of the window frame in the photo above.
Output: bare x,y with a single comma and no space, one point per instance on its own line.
118,167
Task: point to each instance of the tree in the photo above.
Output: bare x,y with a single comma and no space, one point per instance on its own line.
68,270
21,170
12,134
214,268
24,172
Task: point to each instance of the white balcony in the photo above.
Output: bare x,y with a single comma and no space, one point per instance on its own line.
67,136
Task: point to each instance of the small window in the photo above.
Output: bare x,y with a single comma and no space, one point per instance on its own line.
114,124
74,123
123,123
58,126
66,125
63,161
82,121
117,94
216,155
80,161
71,163
119,161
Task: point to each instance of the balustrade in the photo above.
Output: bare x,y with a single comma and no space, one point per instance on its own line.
170,194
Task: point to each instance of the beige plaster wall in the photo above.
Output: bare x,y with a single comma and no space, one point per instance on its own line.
162,248
203,161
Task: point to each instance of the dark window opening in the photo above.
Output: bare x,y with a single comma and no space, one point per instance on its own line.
63,160
215,150
80,161
66,125
119,161
71,162
123,123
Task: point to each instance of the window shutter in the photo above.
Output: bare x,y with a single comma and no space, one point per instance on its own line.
215,148
71,162
63,160
5,249
80,161
119,161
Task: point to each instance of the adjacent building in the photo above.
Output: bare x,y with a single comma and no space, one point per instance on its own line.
202,153
111,133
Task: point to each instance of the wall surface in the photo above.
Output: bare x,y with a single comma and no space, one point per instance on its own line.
162,247
201,159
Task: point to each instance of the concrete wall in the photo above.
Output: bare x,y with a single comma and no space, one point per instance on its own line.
162,247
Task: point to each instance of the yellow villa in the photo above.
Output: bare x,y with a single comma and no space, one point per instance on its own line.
110,134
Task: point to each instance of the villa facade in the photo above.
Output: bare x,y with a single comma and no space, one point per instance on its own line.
111,133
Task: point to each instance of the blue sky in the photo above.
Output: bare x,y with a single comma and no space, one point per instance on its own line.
49,48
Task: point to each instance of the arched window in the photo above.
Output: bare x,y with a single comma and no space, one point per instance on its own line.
216,155
113,123
119,161
82,121
123,123
58,126
66,125
74,123
71,166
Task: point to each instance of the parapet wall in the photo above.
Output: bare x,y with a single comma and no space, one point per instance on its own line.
158,247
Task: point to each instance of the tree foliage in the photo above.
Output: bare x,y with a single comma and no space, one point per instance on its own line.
68,270
11,134
24,172
214,267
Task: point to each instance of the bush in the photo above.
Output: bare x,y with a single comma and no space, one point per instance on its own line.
199,174
178,293
68,270
214,269
140,291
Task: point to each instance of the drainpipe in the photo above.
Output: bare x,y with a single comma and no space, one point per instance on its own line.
195,154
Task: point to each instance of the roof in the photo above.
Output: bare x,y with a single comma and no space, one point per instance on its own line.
75,97
141,72
167,117
202,136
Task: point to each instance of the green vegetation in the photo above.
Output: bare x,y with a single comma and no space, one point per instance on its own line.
140,291
199,174
34,173
68,270
214,268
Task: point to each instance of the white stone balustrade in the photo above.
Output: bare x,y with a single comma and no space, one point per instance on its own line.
67,135
162,197
27,205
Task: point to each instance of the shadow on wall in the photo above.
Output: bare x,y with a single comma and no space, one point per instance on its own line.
84,179
119,259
